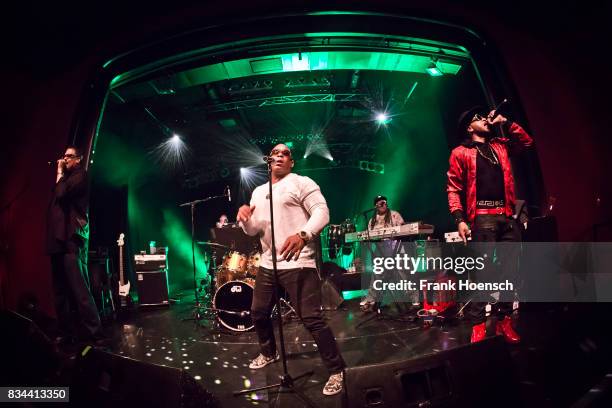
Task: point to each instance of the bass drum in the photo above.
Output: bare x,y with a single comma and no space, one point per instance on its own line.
232,302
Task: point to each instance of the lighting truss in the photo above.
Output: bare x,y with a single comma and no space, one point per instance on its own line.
288,99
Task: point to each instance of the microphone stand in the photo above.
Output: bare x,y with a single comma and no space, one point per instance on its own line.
286,383
196,315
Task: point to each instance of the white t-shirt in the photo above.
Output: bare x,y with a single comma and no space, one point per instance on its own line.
298,206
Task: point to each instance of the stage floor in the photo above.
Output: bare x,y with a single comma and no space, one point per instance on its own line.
218,359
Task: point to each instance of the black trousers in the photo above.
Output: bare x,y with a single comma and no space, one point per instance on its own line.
486,230
304,288
74,305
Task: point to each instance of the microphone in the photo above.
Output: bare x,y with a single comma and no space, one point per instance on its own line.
268,159
228,193
368,210
498,107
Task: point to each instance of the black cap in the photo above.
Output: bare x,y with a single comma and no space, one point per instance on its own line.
379,198
466,118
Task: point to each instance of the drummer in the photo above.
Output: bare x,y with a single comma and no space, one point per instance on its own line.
223,221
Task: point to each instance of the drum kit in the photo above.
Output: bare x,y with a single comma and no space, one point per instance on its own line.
234,283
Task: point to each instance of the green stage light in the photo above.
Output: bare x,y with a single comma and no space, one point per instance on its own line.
372,167
433,70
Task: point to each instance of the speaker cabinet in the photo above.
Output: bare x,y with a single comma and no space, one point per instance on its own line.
27,355
152,288
475,375
108,380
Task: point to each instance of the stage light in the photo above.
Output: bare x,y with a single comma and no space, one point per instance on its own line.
433,69
317,145
382,118
172,153
372,167
251,177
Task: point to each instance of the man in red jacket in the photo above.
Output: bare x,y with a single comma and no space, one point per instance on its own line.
480,191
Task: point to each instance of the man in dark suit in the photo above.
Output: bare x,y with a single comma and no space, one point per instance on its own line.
67,244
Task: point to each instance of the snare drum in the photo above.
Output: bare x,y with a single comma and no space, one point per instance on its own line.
232,302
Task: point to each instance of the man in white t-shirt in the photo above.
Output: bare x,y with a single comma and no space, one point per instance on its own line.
300,213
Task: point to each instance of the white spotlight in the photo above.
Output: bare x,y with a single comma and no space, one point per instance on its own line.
382,118
172,153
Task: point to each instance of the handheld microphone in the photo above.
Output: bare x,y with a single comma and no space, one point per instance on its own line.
228,193
498,107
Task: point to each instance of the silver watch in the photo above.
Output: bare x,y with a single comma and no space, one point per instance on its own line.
304,235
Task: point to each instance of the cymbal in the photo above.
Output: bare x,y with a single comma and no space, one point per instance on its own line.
213,244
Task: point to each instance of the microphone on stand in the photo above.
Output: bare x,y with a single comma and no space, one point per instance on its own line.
228,193
368,210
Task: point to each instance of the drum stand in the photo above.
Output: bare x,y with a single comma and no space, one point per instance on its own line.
287,382
196,314
289,313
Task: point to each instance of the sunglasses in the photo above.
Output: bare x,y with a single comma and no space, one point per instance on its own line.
478,117
284,152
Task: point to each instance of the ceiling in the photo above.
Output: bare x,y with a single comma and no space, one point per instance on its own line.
323,100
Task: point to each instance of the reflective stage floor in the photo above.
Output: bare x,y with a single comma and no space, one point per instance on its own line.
563,353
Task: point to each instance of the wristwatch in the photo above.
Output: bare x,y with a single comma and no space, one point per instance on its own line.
304,235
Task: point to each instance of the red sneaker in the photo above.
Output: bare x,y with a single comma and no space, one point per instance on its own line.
479,332
504,328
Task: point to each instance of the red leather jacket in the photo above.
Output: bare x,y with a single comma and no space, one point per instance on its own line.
461,175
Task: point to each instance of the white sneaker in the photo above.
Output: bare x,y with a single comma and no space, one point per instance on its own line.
261,361
334,384
366,301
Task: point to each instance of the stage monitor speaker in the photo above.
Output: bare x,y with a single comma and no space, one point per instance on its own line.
27,355
344,281
475,375
107,380
152,288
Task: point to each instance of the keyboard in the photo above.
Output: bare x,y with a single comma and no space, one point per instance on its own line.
409,229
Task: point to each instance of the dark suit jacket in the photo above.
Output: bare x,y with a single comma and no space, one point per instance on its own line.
67,215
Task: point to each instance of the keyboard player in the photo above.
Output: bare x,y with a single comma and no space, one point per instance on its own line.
383,217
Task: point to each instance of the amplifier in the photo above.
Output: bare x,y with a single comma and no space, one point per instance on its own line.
152,287
150,262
